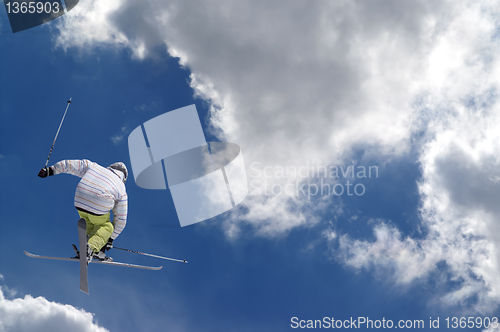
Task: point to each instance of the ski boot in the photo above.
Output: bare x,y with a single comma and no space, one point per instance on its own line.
102,257
90,254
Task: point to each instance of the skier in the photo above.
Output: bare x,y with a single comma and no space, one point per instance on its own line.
100,191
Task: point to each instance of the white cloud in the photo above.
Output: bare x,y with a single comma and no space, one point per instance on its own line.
493,328
107,23
404,257
301,82
40,315
119,137
296,81
460,161
289,82
145,107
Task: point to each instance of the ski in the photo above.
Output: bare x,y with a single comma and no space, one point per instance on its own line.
81,256
82,239
75,259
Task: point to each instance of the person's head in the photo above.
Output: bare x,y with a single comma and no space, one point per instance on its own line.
119,166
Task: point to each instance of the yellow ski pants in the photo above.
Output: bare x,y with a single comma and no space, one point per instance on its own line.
99,229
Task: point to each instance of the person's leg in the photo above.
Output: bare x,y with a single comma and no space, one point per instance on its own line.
100,232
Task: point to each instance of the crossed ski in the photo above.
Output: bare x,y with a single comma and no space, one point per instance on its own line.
82,258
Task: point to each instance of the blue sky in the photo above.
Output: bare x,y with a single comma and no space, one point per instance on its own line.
287,83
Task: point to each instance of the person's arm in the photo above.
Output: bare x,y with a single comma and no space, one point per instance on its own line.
119,216
73,167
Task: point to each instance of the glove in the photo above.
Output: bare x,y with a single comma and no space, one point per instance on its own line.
108,245
46,171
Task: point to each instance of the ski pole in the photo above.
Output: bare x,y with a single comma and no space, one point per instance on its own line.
47,162
142,253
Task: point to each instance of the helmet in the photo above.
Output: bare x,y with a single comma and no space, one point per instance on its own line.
119,166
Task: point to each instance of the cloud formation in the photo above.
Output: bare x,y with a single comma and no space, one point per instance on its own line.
295,82
460,186
40,315
305,81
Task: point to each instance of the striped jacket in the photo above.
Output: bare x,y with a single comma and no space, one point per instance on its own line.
100,190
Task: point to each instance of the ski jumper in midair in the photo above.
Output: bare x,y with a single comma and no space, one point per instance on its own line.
100,191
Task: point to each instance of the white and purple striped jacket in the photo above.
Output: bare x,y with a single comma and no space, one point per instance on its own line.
100,190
